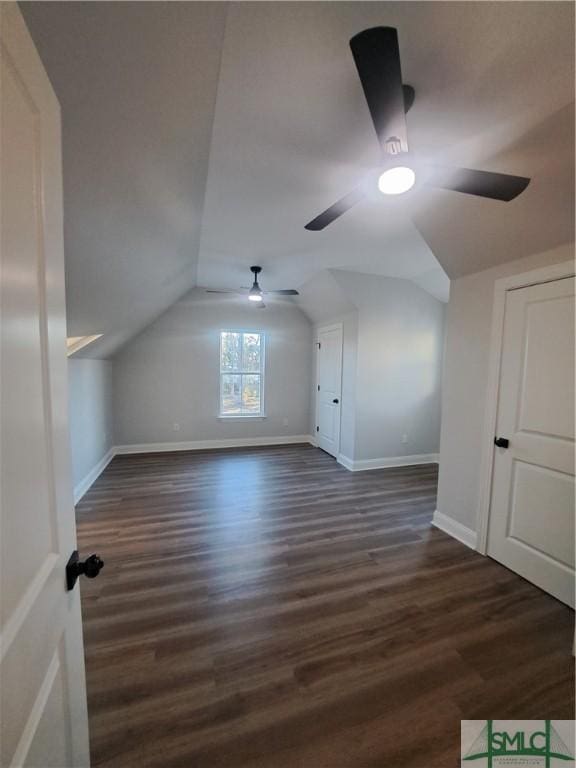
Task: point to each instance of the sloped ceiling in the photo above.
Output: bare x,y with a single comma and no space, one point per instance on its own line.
322,298
266,97
292,134
137,86
334,293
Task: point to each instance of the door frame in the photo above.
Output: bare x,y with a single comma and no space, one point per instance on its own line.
319,330
547,274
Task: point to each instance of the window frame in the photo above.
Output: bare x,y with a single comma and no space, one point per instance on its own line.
261,373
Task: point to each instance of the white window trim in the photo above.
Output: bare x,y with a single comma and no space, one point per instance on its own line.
236,416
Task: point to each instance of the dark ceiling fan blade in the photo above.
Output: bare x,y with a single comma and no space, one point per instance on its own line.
409,96
336,210
284,292
496,186
224,290
377,57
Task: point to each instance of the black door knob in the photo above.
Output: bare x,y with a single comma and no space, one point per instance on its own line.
90,568
501,442
336,400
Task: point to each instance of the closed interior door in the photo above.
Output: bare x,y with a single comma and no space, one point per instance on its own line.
329,388
531,526
42,687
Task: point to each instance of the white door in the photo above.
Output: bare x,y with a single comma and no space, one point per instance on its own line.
42,685
531,527
329,388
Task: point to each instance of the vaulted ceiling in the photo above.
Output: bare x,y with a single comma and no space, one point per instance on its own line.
199,138
137,86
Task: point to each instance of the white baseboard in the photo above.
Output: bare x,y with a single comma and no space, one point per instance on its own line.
345,461
202,445
194,445
455,529
93,475
247,442
383,463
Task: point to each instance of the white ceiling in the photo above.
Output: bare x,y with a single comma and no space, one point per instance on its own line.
291,134
137,86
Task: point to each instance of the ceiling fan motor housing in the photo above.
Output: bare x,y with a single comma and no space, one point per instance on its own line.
255,293
393,146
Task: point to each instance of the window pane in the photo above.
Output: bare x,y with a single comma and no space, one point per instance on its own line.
251,352
251,393
231,351
231,393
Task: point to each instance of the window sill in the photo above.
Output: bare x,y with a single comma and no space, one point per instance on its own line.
236,417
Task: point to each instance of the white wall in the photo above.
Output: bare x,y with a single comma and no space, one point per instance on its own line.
392,362
399,367
90,415
465,381
169,374
348,408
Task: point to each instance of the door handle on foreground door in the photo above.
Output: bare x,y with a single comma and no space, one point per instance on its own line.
91,567
336,401
501,442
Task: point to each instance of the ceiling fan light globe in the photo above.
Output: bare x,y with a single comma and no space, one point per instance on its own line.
397,180
254,297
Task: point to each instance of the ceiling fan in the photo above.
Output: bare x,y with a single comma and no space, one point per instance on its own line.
255,293
377,57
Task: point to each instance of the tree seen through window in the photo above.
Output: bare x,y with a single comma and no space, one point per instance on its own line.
241,373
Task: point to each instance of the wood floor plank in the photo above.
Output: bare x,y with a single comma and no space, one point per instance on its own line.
266,608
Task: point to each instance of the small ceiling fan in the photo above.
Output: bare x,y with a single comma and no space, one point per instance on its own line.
255,293
377,56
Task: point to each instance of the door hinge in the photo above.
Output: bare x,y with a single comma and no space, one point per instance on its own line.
319,345
318,387
317,429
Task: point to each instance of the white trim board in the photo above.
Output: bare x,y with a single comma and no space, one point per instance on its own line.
202,445
89,479
501,288
391,461
455,529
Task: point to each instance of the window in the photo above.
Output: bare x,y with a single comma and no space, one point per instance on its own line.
241,373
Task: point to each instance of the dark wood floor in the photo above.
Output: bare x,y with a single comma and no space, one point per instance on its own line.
267,608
